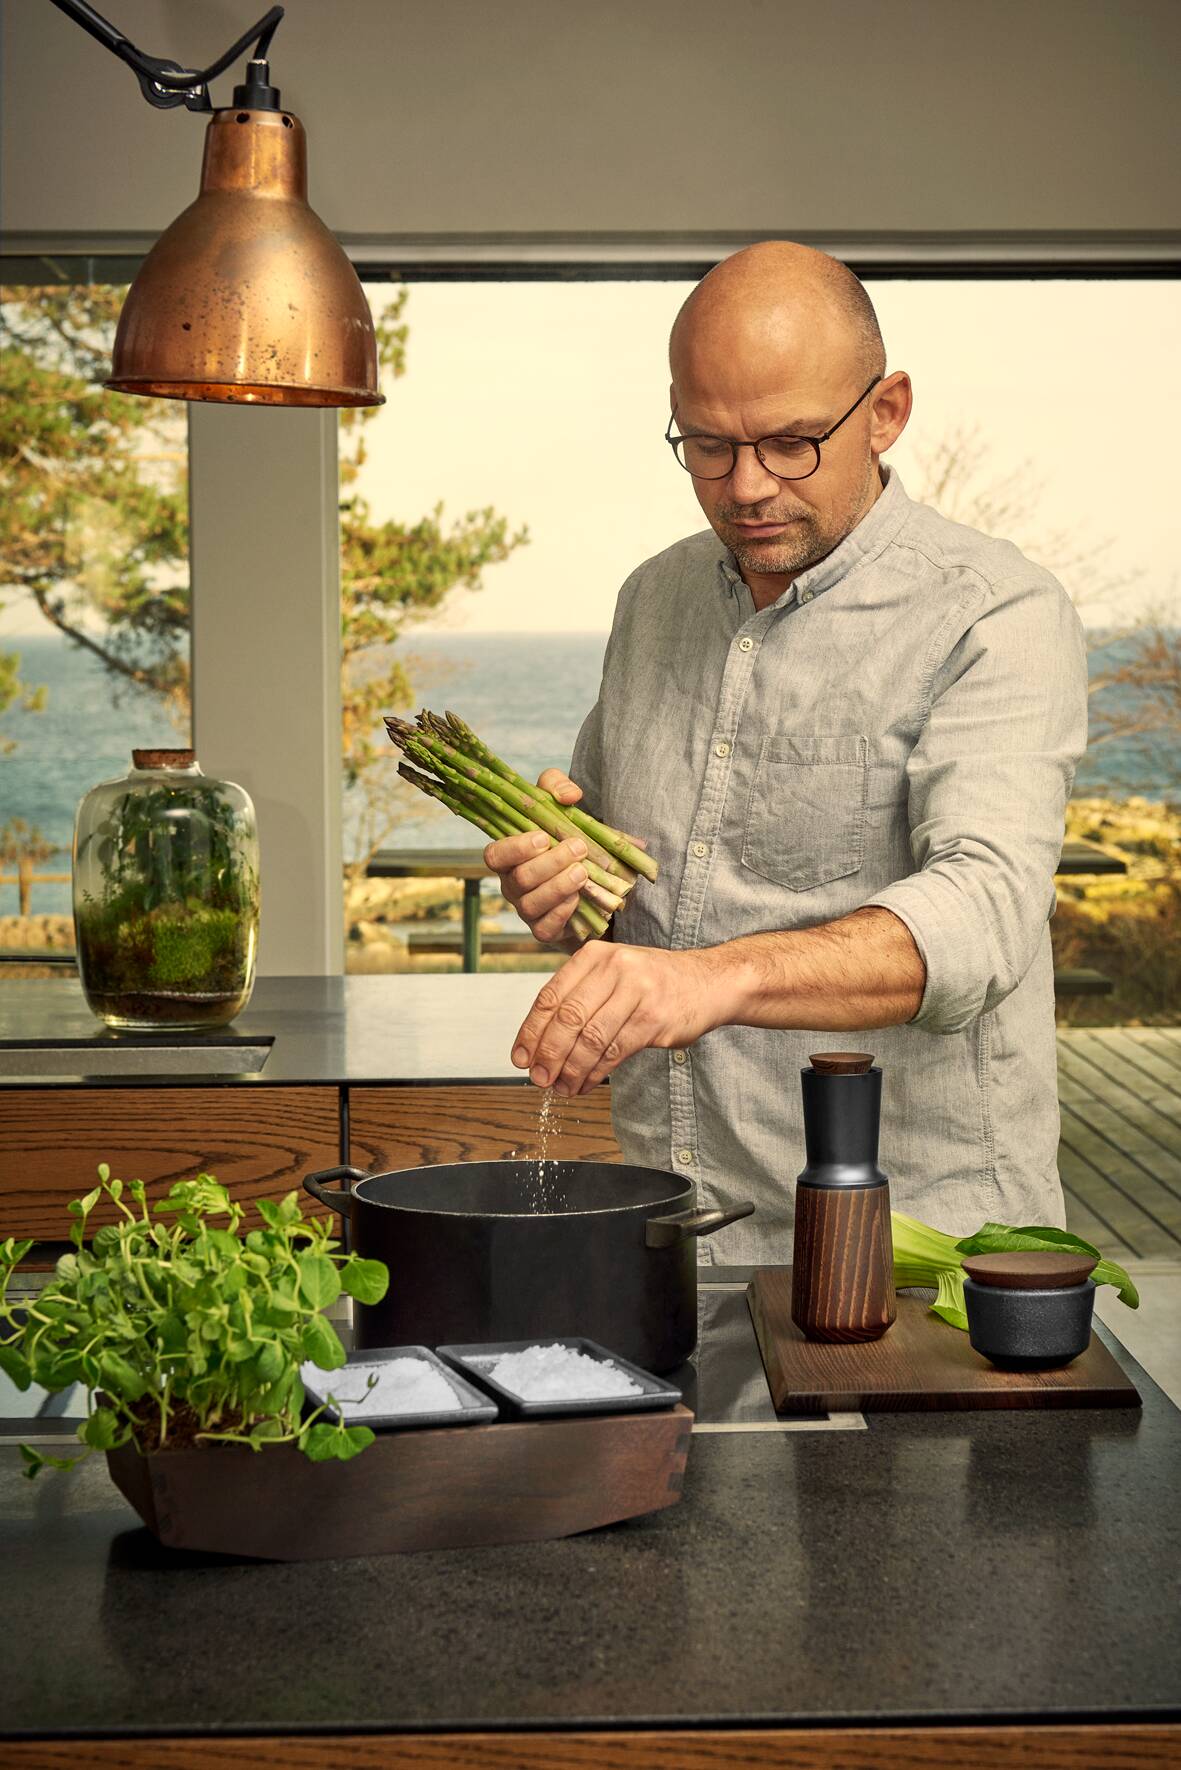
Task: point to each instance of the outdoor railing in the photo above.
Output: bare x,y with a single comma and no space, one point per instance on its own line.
468,866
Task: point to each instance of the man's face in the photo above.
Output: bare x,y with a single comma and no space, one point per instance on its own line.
772,526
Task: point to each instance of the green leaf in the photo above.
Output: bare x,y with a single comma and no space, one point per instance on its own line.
55,1369
14,1364
120,1378
1107,1272
997,1238
102,1430
36,1460
319,1280
270,1362
343,1442
354,1439
170,1333
949,1299
321,1343
366,1280
224,1243
265,1433
268,1212
204,1194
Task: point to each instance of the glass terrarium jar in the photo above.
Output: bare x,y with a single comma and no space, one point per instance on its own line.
166,896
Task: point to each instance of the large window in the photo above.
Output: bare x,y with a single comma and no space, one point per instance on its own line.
1040,414
94,597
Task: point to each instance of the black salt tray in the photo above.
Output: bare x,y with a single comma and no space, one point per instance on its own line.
476,1362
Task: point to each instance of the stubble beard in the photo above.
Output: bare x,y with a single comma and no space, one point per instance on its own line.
791,554
794,553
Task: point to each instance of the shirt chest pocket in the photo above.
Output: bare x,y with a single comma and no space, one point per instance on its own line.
806,822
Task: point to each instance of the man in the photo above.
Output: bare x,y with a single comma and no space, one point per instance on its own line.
847,728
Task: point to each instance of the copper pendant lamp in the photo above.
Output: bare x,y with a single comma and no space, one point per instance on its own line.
246,298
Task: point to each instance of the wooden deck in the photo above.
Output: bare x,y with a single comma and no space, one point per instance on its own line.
1120,1154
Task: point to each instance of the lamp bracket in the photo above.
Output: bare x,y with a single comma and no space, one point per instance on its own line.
147,69
164,83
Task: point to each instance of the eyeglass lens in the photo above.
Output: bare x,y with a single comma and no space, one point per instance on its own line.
712,457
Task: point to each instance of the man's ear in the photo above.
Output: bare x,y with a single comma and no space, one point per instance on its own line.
891,408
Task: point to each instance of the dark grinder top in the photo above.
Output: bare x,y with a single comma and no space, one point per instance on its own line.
842,1111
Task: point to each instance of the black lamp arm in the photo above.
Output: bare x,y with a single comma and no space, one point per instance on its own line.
164,83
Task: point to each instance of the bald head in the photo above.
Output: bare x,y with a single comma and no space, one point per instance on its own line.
777,308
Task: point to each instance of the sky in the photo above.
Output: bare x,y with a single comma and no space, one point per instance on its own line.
548,401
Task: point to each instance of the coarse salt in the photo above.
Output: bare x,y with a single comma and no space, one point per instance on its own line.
403,1386
559,1373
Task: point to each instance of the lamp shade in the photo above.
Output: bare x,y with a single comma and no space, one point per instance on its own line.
247,298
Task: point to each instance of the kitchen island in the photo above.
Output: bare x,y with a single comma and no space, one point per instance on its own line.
915,1588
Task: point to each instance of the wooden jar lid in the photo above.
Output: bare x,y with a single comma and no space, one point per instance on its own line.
841,1063
1030,1270
163,758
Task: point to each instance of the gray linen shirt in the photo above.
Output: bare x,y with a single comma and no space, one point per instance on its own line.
900,728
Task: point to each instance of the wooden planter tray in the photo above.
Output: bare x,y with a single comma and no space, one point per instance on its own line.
920,1362
443,1487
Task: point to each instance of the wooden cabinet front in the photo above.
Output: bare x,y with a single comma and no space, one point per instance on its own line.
259,1142
394,1128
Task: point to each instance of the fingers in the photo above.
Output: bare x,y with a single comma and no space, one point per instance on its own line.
508,852
575,1026
541,882
560,785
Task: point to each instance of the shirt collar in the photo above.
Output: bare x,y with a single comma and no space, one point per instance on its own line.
872,536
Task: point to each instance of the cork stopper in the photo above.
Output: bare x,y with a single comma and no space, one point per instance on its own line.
163,758
841,1063
1029,1270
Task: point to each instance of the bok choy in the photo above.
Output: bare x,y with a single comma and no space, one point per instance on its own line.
925,1256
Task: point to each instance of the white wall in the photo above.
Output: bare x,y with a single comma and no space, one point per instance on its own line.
444,117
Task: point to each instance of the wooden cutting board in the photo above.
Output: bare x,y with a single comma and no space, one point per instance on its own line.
920,1362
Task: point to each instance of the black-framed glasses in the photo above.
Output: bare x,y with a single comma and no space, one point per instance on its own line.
787,457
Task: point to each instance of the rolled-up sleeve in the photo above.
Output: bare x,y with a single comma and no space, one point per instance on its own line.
987,785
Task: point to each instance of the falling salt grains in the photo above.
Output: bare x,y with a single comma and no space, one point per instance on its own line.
559,1373
543,1169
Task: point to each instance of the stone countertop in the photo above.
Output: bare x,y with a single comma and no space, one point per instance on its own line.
387,1030
930,1567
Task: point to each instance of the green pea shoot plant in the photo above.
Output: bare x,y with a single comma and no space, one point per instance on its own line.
183,1331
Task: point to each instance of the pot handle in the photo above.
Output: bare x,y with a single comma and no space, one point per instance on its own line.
336,1201
662,1232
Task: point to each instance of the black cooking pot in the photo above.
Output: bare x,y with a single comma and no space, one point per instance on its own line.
487,1251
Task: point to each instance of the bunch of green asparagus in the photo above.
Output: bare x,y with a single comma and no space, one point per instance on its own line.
466,776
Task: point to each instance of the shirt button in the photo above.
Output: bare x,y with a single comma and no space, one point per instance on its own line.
721,749
679,1057
701,849
684,1155
806,595
746,644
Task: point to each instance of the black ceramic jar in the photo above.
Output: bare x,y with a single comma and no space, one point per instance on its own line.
1029,1312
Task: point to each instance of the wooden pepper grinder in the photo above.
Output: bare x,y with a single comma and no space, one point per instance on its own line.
843,1271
